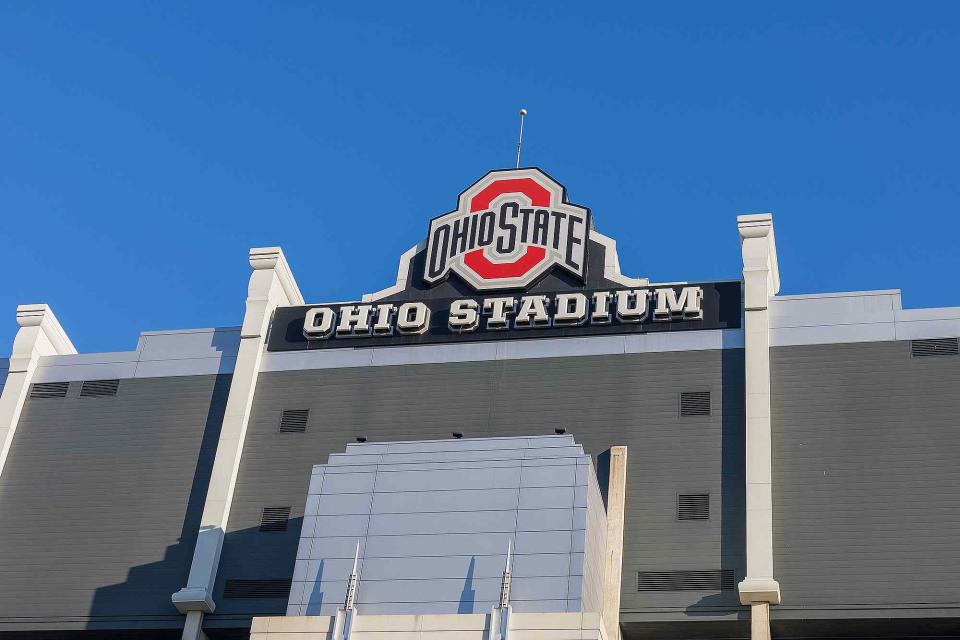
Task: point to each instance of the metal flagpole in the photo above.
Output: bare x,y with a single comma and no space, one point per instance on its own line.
523,114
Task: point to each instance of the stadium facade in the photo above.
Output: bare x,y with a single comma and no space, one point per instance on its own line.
514,440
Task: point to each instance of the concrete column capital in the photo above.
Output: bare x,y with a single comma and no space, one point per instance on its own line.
272,258
761,271
40,334
758,590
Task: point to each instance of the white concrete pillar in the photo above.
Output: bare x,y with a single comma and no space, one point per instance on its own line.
613,559
271,285
192,627
40,334
760,621
761,280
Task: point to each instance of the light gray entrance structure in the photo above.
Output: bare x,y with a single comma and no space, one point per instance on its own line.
435,518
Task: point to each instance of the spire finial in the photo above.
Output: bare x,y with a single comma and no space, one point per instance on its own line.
505,581
348,600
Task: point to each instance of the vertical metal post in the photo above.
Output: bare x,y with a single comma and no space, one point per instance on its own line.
523,114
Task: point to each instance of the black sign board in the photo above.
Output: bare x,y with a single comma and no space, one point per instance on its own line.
719,308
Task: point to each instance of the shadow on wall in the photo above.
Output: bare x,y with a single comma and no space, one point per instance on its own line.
468,596
145,595
733,500
226,340
317,597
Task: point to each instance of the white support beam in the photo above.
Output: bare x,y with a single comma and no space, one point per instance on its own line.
761,279
760,621
40,334
192,627
271,285
613,558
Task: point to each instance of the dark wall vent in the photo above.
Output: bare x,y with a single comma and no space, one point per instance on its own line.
294,420
715,580
695,403
274,518
693,506
49,390
279,588
99,388
935,347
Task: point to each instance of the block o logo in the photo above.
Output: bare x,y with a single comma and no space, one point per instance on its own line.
509,229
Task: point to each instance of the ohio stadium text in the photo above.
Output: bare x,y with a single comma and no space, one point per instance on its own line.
508,312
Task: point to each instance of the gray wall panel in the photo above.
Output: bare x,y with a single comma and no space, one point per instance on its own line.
866,505
604,401
100,501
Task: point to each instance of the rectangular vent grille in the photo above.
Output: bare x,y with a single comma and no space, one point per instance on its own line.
294,420
279,588
695,403
935,347
99,388
715,580
693,506
274,518
49,390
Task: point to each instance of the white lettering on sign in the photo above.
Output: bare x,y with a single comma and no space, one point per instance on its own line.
467,315
354,321
571,309
499,309
632,305
464,316
413,318
383,325
533,312
319,322
671,305
601,308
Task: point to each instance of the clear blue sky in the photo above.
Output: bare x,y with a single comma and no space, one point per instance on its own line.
145,147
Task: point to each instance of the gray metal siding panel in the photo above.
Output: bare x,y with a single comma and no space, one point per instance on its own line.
603,400
100,501
865,476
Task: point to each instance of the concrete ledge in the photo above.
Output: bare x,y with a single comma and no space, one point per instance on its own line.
188,599
159,354
857,316
504,350
523,626
759,590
